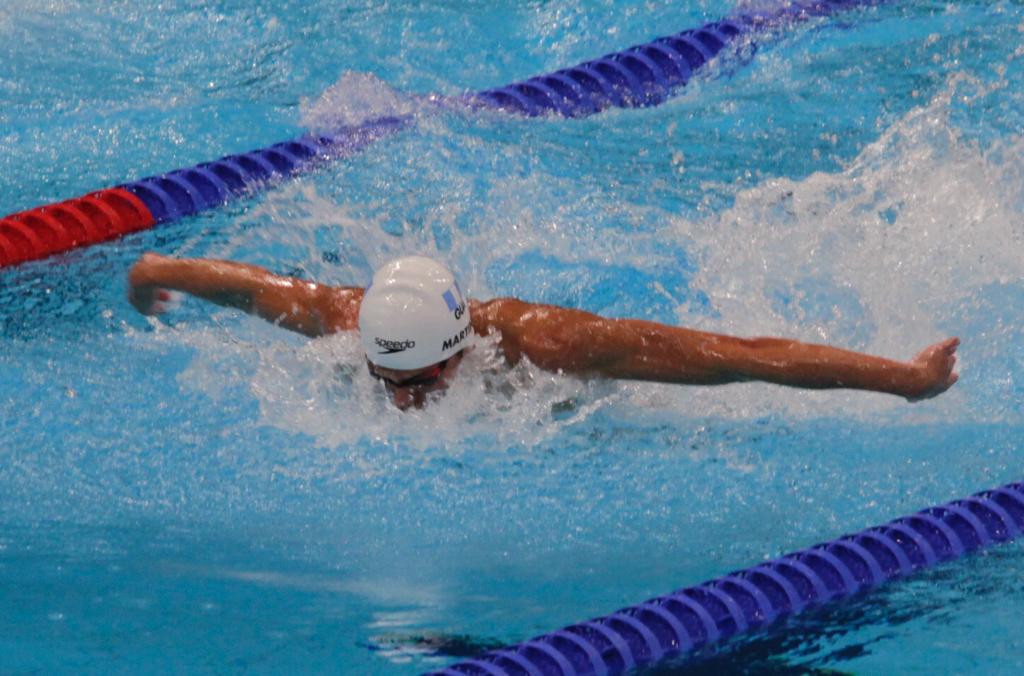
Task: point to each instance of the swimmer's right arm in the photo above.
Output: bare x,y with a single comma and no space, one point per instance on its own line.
295,304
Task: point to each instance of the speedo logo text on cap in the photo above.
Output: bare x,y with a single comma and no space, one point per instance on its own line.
393,346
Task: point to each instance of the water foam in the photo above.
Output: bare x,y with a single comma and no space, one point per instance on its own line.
891,253
897,249
354,99
320,390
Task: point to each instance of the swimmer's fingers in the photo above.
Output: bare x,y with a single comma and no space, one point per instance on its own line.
948,347
149,300
953,377
937,362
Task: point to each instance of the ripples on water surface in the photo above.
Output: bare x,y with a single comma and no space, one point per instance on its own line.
208,493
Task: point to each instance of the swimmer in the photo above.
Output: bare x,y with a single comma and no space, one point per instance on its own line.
415,326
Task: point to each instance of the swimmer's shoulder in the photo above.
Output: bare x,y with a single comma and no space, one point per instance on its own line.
338,307
502,317
497,314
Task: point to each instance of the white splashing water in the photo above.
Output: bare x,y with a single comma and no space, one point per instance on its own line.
355,98
888,255
320,389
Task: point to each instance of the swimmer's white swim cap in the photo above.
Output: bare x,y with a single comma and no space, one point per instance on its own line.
413,315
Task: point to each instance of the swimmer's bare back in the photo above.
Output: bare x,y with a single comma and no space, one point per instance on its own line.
560,339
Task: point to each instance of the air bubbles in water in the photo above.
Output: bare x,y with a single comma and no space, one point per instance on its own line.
354,99
886,255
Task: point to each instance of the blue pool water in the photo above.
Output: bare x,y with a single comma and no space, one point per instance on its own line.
208,494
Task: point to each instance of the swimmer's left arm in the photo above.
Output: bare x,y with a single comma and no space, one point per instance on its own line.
301,306
587,345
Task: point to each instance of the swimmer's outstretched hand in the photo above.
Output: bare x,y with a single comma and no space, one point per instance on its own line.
147,298
936,363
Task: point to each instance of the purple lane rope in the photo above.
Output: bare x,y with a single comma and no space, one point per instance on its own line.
643,75
747,600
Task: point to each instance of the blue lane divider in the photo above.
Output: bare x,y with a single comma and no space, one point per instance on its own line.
186,192
643,75
646,74
750,599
